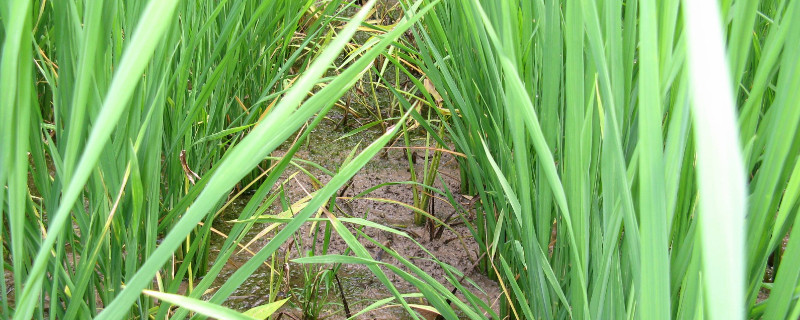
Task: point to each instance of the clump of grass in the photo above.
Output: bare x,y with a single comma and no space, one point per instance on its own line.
104,98
617,125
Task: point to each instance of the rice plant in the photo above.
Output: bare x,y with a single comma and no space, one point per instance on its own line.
632,158
110,109
625,159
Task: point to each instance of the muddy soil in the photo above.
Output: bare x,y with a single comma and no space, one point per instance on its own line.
455,247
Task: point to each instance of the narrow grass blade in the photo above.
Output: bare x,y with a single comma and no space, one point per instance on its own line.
199,306
719,161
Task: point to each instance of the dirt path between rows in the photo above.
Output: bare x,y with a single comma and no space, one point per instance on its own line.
455,247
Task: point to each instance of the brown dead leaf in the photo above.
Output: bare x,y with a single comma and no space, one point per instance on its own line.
432,90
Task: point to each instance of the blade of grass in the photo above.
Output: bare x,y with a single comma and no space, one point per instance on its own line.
653,217
199,306
720,167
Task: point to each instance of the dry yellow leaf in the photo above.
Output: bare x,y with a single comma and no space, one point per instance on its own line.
432,90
